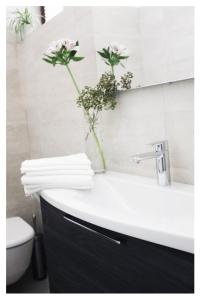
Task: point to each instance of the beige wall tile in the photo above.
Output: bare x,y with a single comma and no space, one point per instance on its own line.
147,115
43,119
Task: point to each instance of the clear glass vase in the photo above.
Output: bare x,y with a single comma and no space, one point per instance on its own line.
94,150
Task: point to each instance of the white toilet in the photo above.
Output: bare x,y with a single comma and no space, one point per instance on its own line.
19,244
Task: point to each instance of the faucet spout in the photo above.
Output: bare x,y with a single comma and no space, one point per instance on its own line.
143,156
161,156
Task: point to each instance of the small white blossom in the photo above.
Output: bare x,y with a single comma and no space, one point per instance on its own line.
118,49
60,43
50,51
53,48
56,46
71,45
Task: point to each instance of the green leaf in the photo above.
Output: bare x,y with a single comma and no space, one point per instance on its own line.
50,57
47,60
72,53
114,60
54,60
123,57
65,54
106,51
77,58
102,54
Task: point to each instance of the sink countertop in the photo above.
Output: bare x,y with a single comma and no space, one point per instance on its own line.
135,206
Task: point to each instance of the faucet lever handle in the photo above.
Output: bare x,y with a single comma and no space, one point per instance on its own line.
160,145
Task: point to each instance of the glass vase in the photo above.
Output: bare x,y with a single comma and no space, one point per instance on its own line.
94,150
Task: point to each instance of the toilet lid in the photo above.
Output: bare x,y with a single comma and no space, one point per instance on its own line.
17,232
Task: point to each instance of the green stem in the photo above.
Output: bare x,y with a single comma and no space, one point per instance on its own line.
112,68
99,149
89,120
73,79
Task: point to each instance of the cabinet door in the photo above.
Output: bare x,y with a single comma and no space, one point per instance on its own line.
85,258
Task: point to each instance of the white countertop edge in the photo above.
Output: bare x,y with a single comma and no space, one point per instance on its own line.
158,237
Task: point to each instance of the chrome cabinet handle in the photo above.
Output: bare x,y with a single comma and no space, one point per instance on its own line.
94,231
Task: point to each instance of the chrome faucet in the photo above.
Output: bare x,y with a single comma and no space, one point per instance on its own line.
161,155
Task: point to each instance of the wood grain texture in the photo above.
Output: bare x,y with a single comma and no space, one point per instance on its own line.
79,261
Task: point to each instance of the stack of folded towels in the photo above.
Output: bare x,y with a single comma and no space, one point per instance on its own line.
68,172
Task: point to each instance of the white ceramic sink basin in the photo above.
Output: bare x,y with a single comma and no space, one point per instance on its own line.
135,206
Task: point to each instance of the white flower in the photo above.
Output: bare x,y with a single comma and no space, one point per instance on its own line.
60,43
50,51
118,49
53,48
71,45
56,46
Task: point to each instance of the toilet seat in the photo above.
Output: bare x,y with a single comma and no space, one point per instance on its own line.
18,232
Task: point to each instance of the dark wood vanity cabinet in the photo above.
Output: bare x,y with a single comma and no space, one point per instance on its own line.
85,258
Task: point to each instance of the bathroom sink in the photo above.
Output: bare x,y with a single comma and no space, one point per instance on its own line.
135,206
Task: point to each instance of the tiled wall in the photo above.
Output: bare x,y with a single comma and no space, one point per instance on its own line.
42,117
54,121
43,120
162,112
159,39
18,143
17,139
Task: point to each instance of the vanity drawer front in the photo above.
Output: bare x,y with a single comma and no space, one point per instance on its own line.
80,254
86,261
62,222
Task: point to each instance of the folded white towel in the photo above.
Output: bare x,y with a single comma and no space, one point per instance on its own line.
84,183
68,172
35,189
60,172
55,168
57,179
76,159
